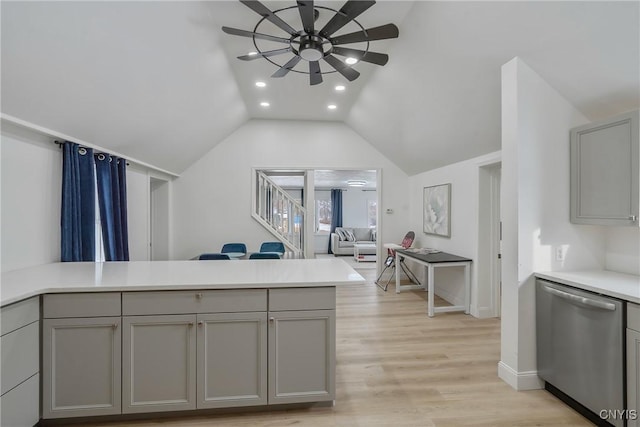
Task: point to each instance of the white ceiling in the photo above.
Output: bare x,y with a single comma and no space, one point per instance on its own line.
160,82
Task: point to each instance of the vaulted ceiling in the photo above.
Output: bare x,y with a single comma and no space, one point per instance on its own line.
160,82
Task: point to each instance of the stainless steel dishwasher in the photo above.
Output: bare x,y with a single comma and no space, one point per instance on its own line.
580,347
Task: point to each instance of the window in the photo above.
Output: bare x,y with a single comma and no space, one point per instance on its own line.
372,213
323,216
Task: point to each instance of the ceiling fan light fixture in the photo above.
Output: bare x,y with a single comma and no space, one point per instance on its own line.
311,54
314,44
356,183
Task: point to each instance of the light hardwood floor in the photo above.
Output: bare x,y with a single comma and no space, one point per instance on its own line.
398,367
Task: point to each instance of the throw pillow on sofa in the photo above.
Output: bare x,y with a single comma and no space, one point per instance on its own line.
345,234
350,237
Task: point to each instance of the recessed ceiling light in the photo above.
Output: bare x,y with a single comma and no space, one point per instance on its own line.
261,84
356,183
340,88
351,60
252,53
264,104
332,106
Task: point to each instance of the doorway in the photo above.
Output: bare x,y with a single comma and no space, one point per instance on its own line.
489,289
159,219
312,187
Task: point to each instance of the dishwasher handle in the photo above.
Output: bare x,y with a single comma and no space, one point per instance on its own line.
580,300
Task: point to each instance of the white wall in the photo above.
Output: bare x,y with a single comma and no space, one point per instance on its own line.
212,199
623,249
463,177
138,213
535,210
31,194
354,207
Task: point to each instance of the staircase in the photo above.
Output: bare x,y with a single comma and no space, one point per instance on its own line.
279,213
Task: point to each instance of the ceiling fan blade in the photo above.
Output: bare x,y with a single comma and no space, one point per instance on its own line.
243,33
265,54
389,31
348,72
287,67
306,15
361,55
265,12
347,13
315,76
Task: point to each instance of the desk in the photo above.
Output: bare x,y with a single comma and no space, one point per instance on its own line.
433,261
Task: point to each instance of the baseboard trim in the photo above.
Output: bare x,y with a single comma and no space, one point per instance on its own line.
482,312
527,380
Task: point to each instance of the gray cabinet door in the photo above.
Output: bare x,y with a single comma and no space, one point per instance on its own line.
81,367
232,359
20,407
159,363
633,377
301,356
604,172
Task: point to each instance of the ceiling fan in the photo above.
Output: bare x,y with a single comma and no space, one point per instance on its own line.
311,44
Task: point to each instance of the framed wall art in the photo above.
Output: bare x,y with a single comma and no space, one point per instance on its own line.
437,210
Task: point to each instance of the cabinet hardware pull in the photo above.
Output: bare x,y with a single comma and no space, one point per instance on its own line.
199,295
115,326
200,323
632,218
190,324
272,319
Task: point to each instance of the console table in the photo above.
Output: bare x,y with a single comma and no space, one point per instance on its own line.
433,261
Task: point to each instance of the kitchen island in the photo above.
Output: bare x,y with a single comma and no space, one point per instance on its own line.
123,338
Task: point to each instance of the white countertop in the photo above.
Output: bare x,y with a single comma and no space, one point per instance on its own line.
17,285
617,285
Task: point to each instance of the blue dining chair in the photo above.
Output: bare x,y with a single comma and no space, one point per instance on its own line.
234,247
264,255
211,257
277,247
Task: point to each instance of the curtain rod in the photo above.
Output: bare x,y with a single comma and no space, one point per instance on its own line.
95,151
54,134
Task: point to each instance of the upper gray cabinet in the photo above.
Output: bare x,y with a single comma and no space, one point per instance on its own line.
604,172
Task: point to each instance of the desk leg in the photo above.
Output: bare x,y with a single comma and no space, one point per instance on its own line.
397,267
467,288
430,299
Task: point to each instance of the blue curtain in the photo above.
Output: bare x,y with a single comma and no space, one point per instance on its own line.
112,200
78,213
336,212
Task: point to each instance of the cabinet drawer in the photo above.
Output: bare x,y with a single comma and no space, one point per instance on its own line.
179,302
21,406
17,315
633,316
20,355
302,299
88,304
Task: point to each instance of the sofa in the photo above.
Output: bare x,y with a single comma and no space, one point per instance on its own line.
343,238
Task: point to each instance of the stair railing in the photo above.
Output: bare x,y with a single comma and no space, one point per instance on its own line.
279,213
